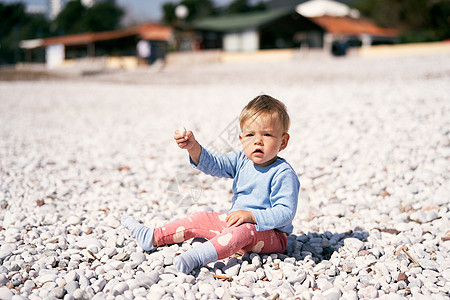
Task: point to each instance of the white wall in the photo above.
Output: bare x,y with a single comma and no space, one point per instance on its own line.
54,55
246,41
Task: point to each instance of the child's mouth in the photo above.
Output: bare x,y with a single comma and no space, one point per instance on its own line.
258,151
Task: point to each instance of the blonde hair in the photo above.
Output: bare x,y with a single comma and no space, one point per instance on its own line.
265,104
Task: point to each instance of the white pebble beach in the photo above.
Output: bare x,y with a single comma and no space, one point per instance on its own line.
369,140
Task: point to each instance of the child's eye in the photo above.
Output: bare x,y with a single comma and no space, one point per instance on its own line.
267,134
249,135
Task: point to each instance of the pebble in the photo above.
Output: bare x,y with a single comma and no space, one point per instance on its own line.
349,264
427,264
137,257
88,242
122,256
71,287
353,244
58,292
242,292
182,130
3,279
73,220
120,288
371,154
147,280
332,294
47,278
5,293
232,267
206,288
324,284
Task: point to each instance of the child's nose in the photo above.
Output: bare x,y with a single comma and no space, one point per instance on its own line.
258,139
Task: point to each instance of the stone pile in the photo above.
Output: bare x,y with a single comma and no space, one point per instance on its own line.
370,140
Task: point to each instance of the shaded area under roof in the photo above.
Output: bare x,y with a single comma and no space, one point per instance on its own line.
236,22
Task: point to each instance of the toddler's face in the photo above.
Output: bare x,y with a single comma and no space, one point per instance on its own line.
262,138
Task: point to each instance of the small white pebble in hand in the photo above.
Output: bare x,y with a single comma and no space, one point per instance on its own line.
182,131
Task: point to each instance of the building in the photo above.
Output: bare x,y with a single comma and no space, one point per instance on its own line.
110,44
344,26
257,30
312,24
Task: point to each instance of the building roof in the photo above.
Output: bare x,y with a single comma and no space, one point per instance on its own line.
346,25
237,22
154,32
87,38
149,31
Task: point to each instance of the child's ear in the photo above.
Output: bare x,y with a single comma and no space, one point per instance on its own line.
240,137
284,141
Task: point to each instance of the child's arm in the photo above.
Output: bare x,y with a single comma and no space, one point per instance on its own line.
283,201
215,165
189,143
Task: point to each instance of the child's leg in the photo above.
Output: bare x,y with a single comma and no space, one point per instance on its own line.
201,224
142,234
245,237
223,241
229,241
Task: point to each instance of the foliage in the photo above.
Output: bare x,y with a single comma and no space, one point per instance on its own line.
196,9
418,20
169,17
205,8
76,18
243,6
102,16
11,15
16,25
70,19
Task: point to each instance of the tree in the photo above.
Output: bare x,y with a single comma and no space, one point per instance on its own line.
69,20
102,16
197,9
76,18
238,6
418,20
17,25
205,8
243,6
169,17
11,15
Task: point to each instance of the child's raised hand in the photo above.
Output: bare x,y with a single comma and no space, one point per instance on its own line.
185,140
238,217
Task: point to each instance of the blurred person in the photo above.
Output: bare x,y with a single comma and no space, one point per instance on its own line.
144,51
265,193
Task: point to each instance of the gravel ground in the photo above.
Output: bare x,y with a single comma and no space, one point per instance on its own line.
370,141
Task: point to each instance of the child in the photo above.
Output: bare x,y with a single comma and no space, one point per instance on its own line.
265,192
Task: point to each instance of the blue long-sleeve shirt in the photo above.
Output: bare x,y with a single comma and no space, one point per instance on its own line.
270,193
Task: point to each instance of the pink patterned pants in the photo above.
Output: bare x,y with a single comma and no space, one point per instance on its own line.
226,240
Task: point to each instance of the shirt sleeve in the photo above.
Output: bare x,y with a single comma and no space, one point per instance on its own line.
222,165
283,200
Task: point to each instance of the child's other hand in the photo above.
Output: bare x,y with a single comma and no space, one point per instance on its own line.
185,142
238,217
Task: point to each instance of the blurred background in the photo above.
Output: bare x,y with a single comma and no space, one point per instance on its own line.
122,34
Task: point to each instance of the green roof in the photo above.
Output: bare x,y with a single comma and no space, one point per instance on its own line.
236,22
